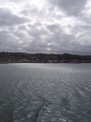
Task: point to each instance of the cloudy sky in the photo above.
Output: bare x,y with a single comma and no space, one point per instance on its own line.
46,26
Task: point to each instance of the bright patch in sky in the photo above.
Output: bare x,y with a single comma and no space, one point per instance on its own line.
38,3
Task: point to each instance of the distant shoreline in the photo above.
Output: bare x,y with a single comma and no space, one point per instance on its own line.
16,57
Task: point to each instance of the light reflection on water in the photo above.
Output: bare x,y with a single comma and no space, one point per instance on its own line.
45,93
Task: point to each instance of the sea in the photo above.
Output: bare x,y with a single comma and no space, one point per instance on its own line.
33,92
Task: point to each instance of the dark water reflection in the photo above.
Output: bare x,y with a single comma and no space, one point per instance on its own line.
45,93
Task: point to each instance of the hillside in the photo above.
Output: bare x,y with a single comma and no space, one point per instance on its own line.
15,57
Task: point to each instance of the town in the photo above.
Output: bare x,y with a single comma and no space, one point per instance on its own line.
17,57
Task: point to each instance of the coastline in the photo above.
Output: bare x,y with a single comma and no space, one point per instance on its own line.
16,57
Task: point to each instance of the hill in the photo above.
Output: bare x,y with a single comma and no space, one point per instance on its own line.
16,57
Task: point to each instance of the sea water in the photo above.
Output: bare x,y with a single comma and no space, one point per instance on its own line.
45,92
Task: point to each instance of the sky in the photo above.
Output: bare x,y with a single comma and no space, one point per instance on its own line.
45,26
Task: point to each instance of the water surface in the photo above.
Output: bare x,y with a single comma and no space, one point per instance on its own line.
45,92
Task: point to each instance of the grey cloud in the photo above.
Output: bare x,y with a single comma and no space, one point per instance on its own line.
27,11
5,41
71,7
62,42
46,31
54,27
7,18
58,41
36,47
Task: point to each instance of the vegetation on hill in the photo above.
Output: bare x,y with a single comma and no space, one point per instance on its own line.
15,57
